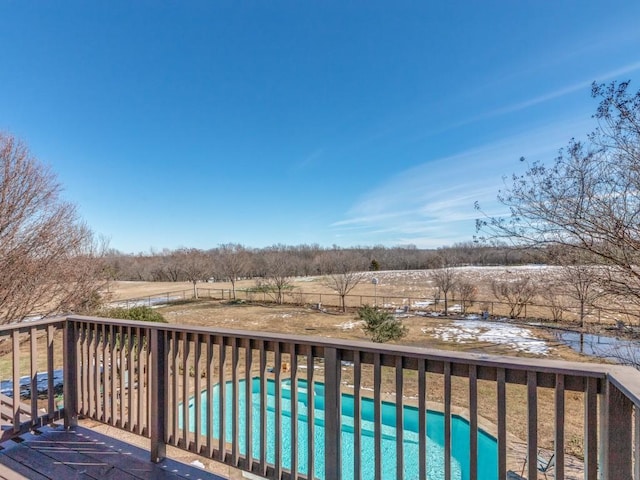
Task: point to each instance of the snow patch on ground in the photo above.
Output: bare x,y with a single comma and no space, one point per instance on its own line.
513,336
424,303
349,325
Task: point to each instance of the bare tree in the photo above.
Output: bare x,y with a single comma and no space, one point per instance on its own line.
233,262
445,280
279,275
588,200
516,293
322,263
195,266
48,257
346,268
551,291
582,284
171,265
467,292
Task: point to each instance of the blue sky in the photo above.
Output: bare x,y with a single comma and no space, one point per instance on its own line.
196,123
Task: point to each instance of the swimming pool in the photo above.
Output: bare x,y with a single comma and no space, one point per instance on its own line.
487,446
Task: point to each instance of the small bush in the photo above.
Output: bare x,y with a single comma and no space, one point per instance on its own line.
91,304
381,325
143,314
237,301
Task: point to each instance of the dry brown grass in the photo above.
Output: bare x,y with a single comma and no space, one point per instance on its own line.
394,289
122,290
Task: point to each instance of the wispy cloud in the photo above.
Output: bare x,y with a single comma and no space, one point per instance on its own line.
434,201
374,218
560,92
311,159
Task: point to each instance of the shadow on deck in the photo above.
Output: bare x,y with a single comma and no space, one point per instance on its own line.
54,453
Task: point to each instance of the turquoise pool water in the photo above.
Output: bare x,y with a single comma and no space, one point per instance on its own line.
487,446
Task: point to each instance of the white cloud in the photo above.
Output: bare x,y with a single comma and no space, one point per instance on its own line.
432,204
560,92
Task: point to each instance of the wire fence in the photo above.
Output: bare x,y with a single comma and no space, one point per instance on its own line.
482,308
153,300
430,306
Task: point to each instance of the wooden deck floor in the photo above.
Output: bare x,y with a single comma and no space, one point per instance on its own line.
53,453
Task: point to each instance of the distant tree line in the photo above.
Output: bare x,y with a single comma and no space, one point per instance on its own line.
231,262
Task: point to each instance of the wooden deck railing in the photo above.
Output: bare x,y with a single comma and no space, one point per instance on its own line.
230,396
31,356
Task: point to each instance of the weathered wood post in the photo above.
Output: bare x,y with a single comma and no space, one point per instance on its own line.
159,395
70,375
616,434
332,414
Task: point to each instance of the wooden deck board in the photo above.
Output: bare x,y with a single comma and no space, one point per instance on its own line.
53,453
41,463
81,456
11,469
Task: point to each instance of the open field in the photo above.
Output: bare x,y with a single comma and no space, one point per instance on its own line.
405,288
505,338
407,283
423,331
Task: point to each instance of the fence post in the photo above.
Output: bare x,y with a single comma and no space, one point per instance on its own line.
70,378
332,414
159,379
